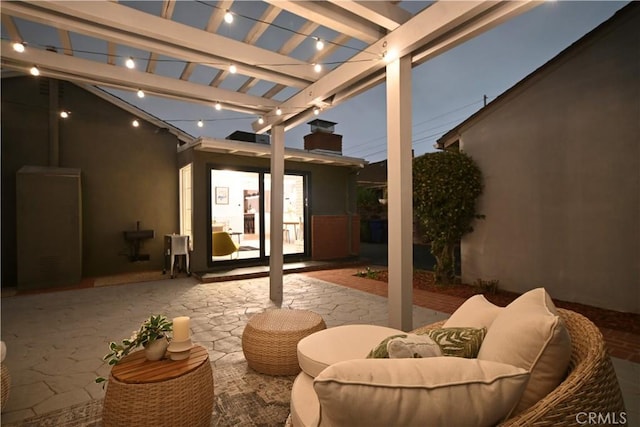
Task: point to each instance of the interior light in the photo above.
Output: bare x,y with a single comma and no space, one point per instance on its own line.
317,68
218,106
261,120
233,69
319,44
140,93
200,123
64,114
228,17
18,47
130,63
34,71
279,111
135,123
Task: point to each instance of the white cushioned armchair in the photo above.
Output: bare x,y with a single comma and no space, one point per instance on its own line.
551,366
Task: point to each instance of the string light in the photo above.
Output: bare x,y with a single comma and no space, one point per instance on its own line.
64,114
200,123
233,69
279,111
218,106
316,111
18,47
135,123
34,71
261,120
228,17
130,64
140,93
319,44
317,68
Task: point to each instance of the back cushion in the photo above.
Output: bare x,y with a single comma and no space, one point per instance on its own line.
529,334
475,312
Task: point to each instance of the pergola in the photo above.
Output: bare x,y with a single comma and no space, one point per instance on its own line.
366,43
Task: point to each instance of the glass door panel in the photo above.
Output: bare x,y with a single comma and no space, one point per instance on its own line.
293,214
235,210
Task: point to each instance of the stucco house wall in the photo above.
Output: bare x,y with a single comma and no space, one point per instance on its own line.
560,154
128,174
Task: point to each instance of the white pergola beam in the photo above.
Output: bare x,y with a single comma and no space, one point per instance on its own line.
126,26
427,26
400,194
331,16
87,71
382,13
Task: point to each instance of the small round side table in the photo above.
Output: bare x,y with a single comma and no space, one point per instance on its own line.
270,339
160,393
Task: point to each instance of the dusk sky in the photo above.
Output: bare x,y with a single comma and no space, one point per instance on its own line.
446,89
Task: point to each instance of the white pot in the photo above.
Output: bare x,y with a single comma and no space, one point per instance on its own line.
156,349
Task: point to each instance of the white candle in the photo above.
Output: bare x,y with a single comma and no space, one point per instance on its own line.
181,328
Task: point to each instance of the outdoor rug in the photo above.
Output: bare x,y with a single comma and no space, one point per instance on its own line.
243,397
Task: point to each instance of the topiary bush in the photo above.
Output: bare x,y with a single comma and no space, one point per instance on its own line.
446,185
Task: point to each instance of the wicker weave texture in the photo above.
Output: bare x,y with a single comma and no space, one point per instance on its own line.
270,339
183,401
591,384
6,385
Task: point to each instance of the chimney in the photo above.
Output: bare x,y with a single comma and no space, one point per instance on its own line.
322,137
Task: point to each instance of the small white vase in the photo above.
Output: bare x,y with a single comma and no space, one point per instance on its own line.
156,349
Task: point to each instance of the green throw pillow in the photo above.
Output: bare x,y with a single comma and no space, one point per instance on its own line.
459,342
380,351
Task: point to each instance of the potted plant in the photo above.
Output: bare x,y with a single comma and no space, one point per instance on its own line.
153,335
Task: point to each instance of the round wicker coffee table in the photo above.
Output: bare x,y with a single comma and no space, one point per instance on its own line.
270,339
162,393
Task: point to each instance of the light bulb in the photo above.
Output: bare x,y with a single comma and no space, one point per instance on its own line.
261,120
135,123
316,111
228,17
279,111
130,64
140,93
18,47
200,123
233,69
218,106
319,44
64,114
317,68
34,71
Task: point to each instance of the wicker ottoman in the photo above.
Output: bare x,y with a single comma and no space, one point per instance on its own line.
270,339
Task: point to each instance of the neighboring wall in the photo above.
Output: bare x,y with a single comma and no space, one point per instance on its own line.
560,153
332,191
128,174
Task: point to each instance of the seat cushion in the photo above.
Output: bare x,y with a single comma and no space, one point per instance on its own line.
529,334
475,312
324,348
305,407
436,391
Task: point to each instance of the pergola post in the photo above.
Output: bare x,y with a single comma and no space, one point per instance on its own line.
276,257
400,194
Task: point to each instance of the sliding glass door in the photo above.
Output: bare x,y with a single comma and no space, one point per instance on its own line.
241,212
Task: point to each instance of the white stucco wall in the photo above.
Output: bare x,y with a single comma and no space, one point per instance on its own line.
560,155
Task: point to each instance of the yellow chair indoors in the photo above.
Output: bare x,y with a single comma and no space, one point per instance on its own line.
222,244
